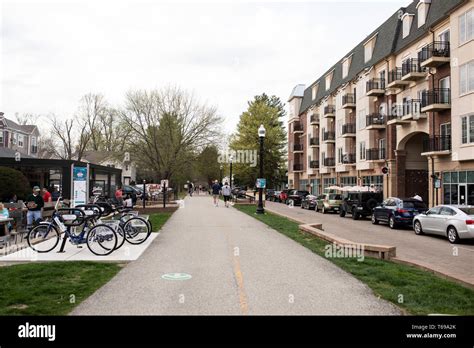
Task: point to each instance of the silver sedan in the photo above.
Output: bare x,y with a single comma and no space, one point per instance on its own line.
454,221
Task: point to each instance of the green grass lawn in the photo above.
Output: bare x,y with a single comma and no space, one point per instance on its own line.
423,292
47,288
159,219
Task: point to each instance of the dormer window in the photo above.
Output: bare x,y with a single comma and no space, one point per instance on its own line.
407,20
329,80
346,64
314,92
423,8
369,48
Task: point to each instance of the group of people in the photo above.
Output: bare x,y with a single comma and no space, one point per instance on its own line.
192,189
224,190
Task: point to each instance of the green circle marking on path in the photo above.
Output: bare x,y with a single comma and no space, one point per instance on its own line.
176,276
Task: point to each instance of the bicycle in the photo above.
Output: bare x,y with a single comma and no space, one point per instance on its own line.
101,239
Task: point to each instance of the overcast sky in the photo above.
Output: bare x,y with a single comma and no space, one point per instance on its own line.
53,52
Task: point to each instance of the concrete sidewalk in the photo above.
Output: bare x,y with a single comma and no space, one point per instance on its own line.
229,263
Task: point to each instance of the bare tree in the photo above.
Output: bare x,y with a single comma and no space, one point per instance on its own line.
26,119
166,127
92,110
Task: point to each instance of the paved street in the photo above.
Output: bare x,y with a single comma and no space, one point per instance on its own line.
429,251
238,266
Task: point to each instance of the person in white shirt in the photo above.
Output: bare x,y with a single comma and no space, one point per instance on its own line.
226,192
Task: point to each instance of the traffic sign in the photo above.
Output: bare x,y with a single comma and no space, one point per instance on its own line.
385,170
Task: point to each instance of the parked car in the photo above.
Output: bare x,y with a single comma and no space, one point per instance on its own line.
296,196
270,195
283,196
360,204
397,212
454,221
309,202
329,202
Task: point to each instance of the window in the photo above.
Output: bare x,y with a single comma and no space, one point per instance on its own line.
21,139
467,133
14,138
407,20
423,7
361,120
362,150
328,80
348,181
466,26
447,211
444,36
346,63
466,78
1,138
339,155
369,48
314,91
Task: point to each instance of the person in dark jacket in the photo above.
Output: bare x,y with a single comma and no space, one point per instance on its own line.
35,204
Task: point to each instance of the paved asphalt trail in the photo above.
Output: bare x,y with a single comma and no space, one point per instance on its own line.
238,266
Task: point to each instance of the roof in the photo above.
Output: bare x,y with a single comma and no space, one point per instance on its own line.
389,40
18,127
6,152
298,91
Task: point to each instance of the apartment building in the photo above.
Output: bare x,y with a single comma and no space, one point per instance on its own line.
17,138
396,113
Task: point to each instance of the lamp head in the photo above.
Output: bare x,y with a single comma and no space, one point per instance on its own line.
261,131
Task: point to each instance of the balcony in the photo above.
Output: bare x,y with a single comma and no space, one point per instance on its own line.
397,120
375,155
314,120
329,137
314,142
349,130
439,99
395,79
34,149
375,87
314,164
297,167
438,145
412,71
375,121
348,101
329,162
298,128
298,148
349,158
435,54
329,111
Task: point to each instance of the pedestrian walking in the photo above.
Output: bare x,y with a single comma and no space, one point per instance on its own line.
216,189
226,192
35,204
190,189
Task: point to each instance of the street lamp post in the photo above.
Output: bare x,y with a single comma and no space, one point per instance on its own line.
231,158
221,167
261,135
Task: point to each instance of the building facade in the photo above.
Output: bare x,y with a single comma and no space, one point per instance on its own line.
396,113
18,138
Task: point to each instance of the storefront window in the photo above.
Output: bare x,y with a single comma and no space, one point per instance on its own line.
349,181
455,182
447,178
454,177
315,187
303,185
470,177
462,177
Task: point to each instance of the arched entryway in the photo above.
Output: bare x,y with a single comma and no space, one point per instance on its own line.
412,167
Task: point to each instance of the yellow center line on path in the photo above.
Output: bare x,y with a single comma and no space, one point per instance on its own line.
239,278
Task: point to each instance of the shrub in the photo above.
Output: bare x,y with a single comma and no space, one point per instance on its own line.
13,182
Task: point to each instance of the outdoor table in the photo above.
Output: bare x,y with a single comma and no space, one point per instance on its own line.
4,222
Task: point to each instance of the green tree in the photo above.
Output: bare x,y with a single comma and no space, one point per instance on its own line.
13,182
270,112
207,165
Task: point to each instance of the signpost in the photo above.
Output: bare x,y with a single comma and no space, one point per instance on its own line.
79,185
261,183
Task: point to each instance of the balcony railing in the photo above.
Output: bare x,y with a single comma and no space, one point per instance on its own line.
349,98
437,143
411,65
330,109
435,49
375,154
298,147
314,119
375,120
375,84
297,167
34,149
328,136
314,164
349,158
436,96
349,128
329,162
314,141
395,75
298,127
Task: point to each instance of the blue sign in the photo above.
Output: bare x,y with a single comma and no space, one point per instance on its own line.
79,174
261,183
